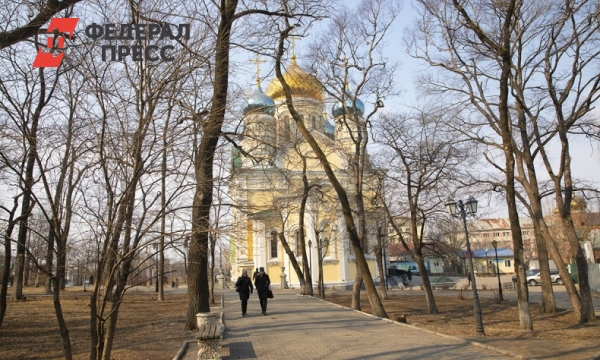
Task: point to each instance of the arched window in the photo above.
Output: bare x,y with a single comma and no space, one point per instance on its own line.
274,245
314,122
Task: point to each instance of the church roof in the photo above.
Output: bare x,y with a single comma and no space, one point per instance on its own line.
338,108
301,83
259,102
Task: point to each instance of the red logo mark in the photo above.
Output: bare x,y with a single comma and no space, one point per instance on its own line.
58,27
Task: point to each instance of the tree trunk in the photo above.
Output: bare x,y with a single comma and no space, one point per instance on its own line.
212,267
320,284
293,260
64,331
198,300
431,305
587,305
528,178
49,267
61,262
308,282
358,281
27,272
5,273
379,257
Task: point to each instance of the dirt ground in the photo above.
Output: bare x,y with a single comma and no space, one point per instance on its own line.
148,329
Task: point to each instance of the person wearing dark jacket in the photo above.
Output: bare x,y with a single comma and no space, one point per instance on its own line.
262,283
245,289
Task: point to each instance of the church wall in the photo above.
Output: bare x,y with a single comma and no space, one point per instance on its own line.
331,273
351,271
261,199
273,271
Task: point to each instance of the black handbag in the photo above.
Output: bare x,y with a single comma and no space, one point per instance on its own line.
270,294
237,289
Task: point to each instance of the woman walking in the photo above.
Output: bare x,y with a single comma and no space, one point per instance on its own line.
262,283
243,286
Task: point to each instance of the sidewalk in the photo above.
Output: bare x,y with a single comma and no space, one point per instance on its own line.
301,327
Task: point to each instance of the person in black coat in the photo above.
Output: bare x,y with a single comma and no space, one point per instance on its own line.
262,283
245,285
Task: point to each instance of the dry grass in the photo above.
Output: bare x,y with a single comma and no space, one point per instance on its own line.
146,329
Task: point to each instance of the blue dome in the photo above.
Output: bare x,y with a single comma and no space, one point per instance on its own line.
259,101
329,128
338,109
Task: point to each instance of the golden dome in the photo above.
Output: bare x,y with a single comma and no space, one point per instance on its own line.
577,205
301,83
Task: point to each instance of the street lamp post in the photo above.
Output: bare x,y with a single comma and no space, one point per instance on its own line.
310,257
495,245
471,209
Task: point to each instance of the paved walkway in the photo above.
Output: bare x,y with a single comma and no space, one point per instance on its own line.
301,327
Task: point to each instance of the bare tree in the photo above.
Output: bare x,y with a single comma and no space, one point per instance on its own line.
541,36
425,161
467,39
572,30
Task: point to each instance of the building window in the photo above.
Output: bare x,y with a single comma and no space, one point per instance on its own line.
507,263
274,244
506,233
496,234
525,233
314,122
486,235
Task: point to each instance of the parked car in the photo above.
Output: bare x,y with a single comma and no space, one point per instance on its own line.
534,278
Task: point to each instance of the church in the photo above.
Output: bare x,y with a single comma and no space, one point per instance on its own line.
273,167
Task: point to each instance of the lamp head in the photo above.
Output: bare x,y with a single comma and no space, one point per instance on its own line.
451,206
495,244
471,205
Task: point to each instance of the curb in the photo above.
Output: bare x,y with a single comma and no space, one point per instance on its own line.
181,351
465,341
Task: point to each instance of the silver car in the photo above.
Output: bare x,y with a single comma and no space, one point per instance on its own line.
534,279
